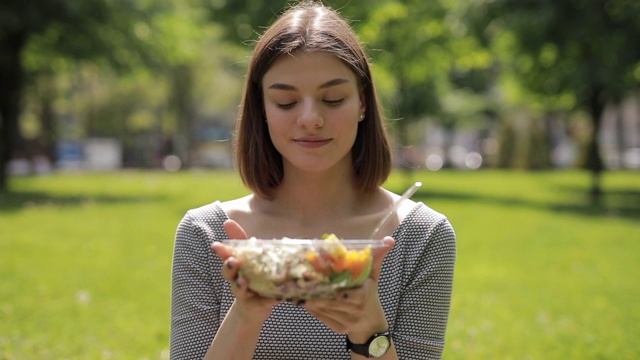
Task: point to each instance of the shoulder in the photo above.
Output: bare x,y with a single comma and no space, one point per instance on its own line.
402,210
204,221
420,214
426,224
237,207
427,240
205,212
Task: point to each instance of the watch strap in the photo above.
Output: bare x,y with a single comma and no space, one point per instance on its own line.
363,349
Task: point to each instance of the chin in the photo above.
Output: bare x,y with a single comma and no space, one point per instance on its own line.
320,164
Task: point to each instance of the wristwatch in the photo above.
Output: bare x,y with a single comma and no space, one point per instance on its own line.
375,347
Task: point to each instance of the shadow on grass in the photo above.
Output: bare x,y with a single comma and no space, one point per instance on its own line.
18,200
615,203
623,203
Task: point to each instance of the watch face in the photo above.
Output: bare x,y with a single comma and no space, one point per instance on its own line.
379,346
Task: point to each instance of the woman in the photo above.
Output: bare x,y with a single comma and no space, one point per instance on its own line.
312,147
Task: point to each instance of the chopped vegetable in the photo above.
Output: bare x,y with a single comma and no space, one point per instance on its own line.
303,270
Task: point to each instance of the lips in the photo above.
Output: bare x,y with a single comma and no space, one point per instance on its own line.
312,142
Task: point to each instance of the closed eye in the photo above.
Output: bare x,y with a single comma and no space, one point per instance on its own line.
334,102
285,106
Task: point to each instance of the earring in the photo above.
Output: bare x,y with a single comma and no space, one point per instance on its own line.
362,117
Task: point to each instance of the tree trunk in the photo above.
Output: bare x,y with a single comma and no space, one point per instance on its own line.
506,142
11,84
538,154
47,118
182,104
406,165
594,161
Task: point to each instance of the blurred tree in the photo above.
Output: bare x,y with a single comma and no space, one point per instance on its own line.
110,33
582,53
245,20
437,68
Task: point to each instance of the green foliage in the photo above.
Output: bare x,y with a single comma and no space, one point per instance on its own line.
570,55
86,262
116,34
244,21
572,45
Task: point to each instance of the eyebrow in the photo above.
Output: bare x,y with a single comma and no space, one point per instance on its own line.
330,83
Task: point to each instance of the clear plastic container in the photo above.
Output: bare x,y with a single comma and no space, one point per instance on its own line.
303,268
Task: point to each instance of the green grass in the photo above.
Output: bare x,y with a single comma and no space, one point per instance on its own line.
85,262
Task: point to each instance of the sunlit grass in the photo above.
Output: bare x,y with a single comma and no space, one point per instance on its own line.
85,262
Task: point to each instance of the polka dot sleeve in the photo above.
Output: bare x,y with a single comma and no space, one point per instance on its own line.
195,301
422,308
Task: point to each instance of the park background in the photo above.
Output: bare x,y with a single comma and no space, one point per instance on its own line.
520,117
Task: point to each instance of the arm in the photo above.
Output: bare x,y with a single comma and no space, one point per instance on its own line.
198,278
238,335
358,312
424,302
195,305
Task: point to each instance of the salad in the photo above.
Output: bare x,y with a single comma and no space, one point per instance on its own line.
303,269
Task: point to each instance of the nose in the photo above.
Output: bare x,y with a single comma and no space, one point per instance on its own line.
310,117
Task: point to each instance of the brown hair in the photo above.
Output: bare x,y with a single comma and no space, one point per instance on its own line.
308,26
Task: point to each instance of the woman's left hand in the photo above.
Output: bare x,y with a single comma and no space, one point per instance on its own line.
248,303
355,310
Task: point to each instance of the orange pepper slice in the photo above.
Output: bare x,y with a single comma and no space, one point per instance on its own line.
354,261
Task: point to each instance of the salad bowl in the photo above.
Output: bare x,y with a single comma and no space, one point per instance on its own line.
303,268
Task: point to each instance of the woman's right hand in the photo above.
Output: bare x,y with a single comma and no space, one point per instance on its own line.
248,303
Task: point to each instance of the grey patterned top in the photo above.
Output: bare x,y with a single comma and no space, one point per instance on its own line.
415,291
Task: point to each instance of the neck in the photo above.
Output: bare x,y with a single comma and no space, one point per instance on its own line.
316,196
311,204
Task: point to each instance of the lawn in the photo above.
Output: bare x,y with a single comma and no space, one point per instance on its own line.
85,262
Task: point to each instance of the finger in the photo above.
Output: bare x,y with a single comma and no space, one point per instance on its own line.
344,307
222,250
241,290
378,256
234,230
335,322
239,285
358,295
230,270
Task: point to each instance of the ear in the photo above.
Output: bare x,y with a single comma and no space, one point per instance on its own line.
363,104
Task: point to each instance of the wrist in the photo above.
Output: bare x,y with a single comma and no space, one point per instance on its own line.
360,336
375,322
244,317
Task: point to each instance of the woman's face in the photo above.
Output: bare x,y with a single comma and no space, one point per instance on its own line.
313,106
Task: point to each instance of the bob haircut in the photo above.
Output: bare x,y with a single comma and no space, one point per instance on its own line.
308,26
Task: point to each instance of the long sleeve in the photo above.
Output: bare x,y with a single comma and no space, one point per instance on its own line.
420,269
195,292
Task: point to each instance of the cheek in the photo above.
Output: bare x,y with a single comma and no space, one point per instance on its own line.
276,128
347,119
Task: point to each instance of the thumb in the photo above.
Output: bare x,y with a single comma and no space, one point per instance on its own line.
234,230
378,256
222,250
